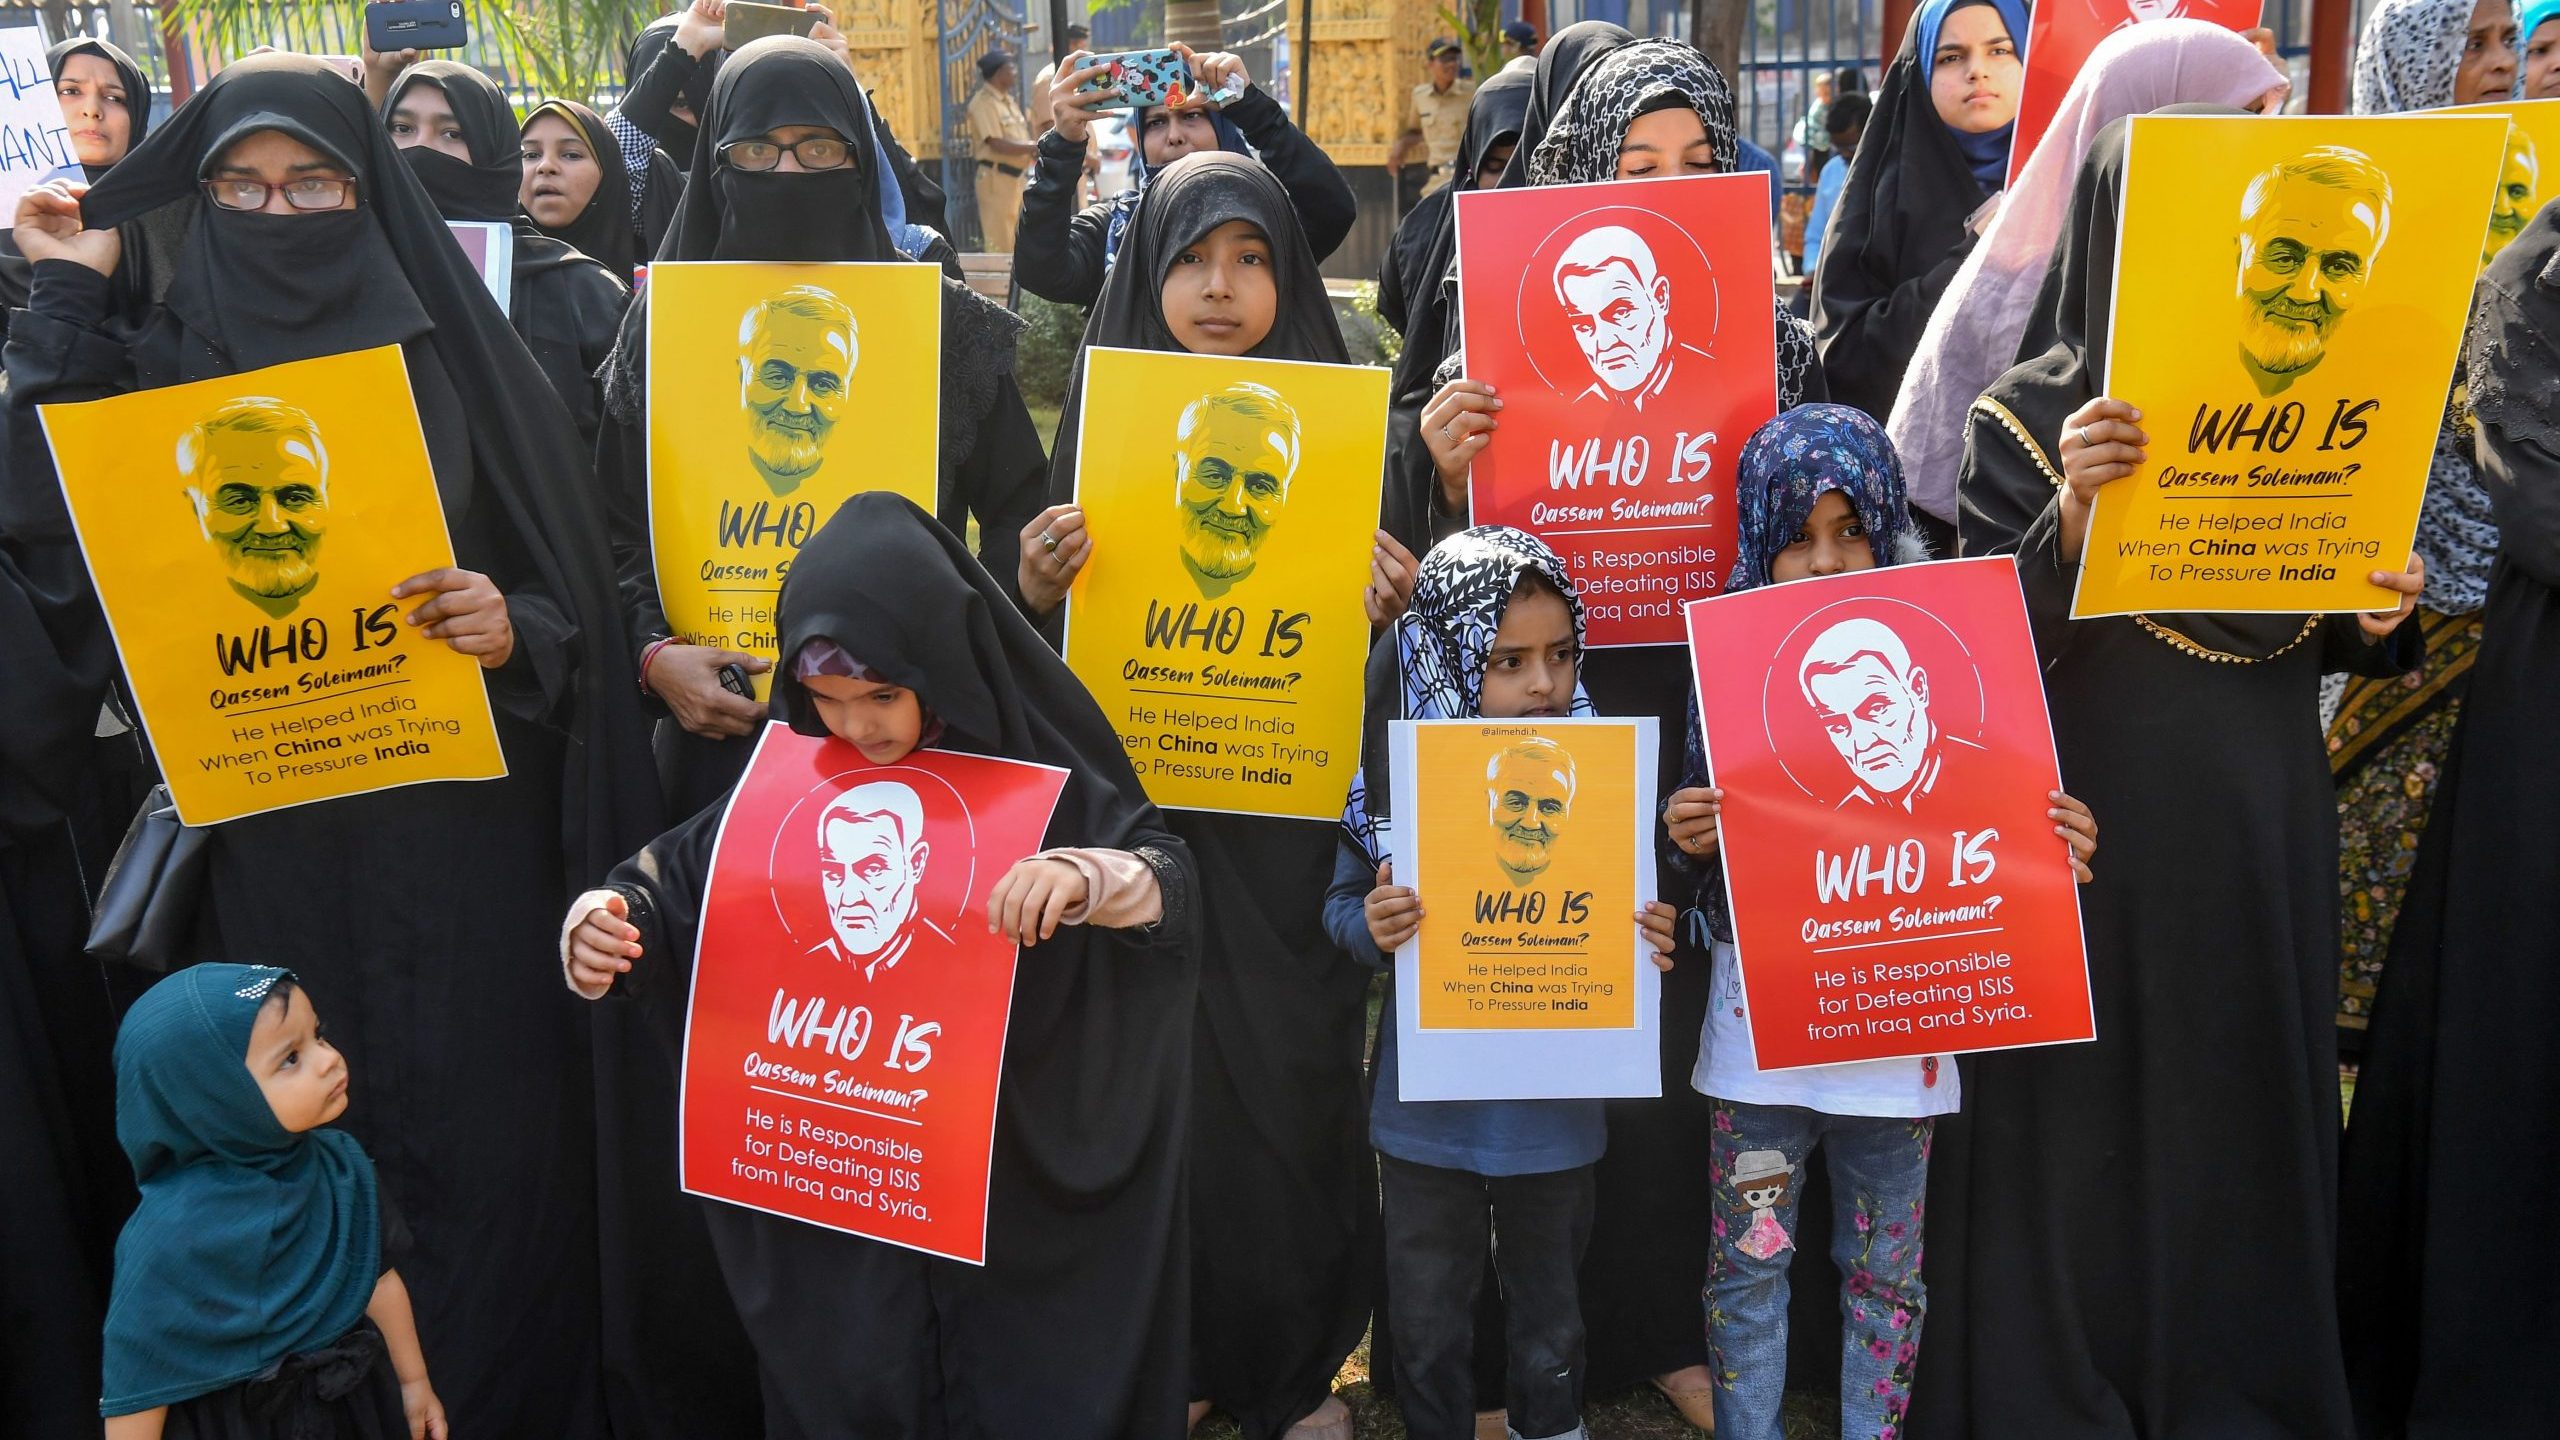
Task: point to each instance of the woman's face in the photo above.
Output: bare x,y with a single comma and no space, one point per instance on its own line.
2488,69
2542,61
1169,135
1832,541
285,166
1221,294
1666,142
423,116
95,108
1497,158
1974,76
884,722
1530,670
560,172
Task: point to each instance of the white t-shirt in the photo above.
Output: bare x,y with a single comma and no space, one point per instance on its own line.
1728,1070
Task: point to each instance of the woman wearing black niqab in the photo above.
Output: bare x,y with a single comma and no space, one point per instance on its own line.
1283,1190
1074,1328
2134,1236
2454,1139
567,306
993,470
414,910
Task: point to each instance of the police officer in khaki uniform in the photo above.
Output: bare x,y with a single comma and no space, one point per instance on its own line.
1435,122
1000,138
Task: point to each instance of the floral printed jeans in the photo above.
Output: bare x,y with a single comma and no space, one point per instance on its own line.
1879,1172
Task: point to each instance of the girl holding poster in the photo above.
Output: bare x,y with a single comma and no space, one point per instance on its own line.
2089,1275
783,91
1647,108
1069,1328
1215,263
1495,632
1821,494
409,911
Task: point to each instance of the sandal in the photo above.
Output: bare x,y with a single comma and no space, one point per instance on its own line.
1328,1421
1493,1425
1696,1402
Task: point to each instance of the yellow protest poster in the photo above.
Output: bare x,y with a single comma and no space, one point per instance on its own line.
775,393
2528,174
2289,301
1233,507
244,534
1531,843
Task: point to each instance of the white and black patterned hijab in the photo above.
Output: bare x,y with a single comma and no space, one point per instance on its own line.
2407,56
1581,147
1440,649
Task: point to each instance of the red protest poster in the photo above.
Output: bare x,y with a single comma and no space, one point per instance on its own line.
1896,887
2060,35
849,1006
1627,328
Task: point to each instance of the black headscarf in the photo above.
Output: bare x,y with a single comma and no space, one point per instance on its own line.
1567,53
251,290
485,186
2012,467
1188,199
1411,296
137,87
653,41
602,232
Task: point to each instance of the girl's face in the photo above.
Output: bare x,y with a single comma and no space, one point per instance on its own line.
1974,76
425,117
1220,296
1666,142
2542,61
884,722
1832,542
302,1075
1531,668
560,172
2488,70
1169,136
95,108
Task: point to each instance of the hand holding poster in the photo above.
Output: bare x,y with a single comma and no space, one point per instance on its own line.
1220,621
1627,328
848,1013
35,143
2287,462
755,371
1531,841
1896,887
2062,33
245,534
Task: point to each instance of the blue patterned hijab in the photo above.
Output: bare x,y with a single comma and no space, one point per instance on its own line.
1440,650
251,1243
1787,466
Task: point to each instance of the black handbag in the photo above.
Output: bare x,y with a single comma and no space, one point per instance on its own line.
147,907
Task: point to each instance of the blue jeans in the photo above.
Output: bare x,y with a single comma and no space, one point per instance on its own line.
1879,1173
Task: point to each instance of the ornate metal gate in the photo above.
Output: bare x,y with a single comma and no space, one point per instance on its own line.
970,28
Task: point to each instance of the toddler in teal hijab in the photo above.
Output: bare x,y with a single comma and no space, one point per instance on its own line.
250,1295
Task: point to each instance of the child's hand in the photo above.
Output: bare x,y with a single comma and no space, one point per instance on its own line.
1658,921
601,947
1691,818
1392,569
426,1413
1029,899
1393,911
2078,828
2378,624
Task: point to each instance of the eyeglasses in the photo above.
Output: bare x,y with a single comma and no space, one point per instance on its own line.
815,152
309,194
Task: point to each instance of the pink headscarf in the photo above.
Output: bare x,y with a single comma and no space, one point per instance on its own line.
1972,336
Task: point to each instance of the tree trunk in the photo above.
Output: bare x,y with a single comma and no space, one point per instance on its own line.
1193,22
1715,27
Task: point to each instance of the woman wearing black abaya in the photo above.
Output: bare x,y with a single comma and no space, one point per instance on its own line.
2455,1138
1935,150
1650,1239
106,108
666,84
574,183
1073,1329
2134,1237
993,470
458,134
1283,1196
415,909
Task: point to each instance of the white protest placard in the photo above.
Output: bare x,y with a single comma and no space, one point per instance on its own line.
35,144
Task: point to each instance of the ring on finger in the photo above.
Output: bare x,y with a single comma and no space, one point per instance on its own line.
1048,542
2083,433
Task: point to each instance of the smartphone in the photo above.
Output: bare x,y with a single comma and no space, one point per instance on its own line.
391,26
745,20
1137,77
733,678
